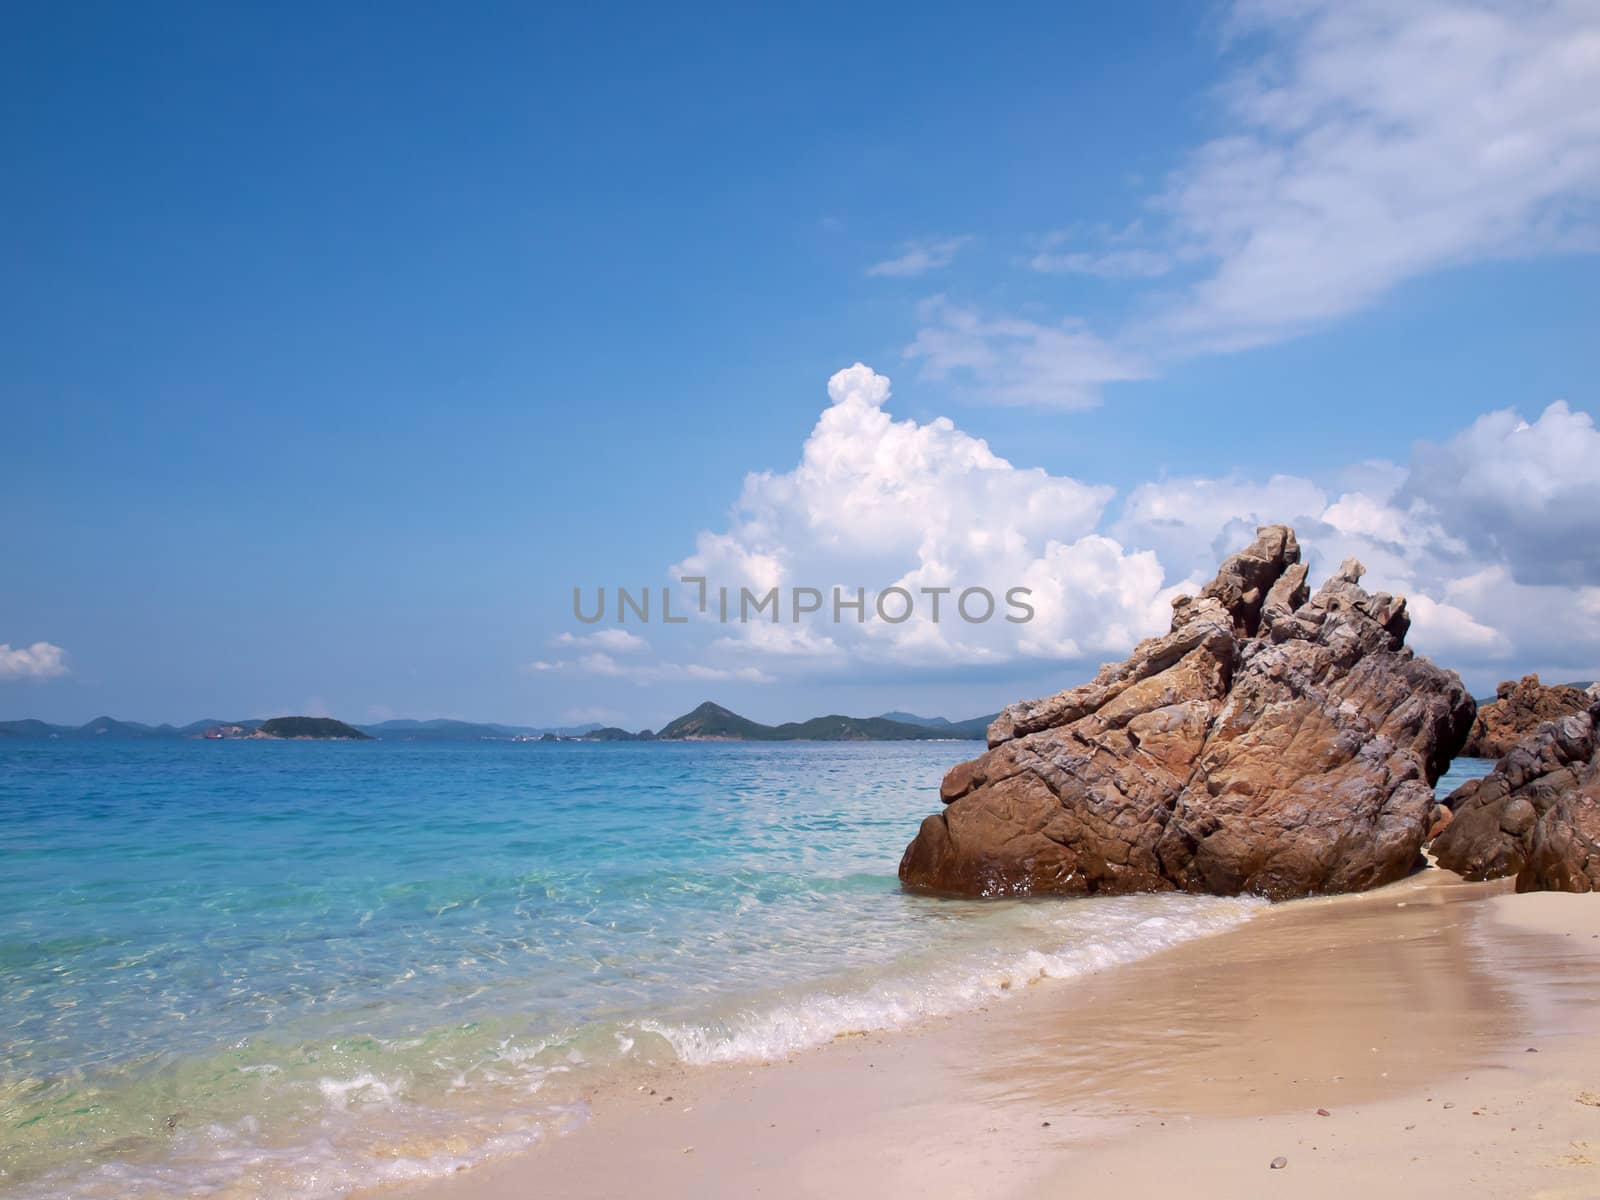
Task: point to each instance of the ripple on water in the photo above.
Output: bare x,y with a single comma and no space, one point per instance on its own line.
297,967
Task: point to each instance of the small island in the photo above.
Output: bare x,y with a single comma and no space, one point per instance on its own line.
319,728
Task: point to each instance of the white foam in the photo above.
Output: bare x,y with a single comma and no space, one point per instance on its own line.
363,1089
373,1130
814,1018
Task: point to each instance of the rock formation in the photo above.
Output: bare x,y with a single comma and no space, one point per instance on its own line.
1273,742
1520,708
1536,815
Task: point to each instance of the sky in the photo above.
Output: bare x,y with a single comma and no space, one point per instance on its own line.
343,344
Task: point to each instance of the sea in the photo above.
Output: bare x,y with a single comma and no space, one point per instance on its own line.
257,968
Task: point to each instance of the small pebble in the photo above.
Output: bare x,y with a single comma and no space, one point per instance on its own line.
1279,1163
1449,1103
1045,1125
1322,1112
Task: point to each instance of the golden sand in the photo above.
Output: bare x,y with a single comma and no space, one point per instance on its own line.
1430,1039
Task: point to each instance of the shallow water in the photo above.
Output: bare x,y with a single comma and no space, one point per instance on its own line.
246,967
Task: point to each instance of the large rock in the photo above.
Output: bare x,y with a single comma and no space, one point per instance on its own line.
1273,742
1518,709
1536,815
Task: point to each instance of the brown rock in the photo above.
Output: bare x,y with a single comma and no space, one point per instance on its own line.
1536,815
1272,741
1519,709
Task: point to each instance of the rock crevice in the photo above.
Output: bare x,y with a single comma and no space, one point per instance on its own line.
1536,815
1273,741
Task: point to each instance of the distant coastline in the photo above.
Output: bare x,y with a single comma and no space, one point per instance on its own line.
709,722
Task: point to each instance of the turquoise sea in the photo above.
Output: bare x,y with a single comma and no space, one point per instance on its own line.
258,968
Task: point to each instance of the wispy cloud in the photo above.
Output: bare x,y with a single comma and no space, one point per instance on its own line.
1117,253
1107,264
1371,142
920,257
615,641
600,664
1010,360
1362,144
38,661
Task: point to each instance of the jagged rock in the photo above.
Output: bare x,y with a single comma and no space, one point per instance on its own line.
1536,815
1518,709
1273,742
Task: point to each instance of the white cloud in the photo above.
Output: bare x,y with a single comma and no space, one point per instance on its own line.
1008,360
1526,493
1107,264
38,661
1193,523
1371,142
918,258
1451,632
1361,144
615,641
1493,535
878,502
599,664
1093,599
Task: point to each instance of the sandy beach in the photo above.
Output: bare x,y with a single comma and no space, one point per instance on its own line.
1431,1038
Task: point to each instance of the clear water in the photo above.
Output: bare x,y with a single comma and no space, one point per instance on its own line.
1461,770
245,968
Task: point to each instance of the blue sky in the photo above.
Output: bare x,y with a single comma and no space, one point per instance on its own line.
342,345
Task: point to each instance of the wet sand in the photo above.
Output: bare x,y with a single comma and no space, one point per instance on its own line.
1447,1030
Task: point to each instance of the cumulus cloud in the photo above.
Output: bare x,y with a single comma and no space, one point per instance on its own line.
1361,144
918,258
1008,360
1492,534
38,661
1525,493
877,502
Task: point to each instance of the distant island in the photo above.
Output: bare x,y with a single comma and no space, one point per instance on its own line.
110,728
709,722
712,723
322,728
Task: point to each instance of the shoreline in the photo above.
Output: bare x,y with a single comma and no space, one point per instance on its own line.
1405,1014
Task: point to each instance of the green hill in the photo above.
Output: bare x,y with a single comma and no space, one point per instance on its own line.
973,727
311,727
712,722
100,727
611,733
836,728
